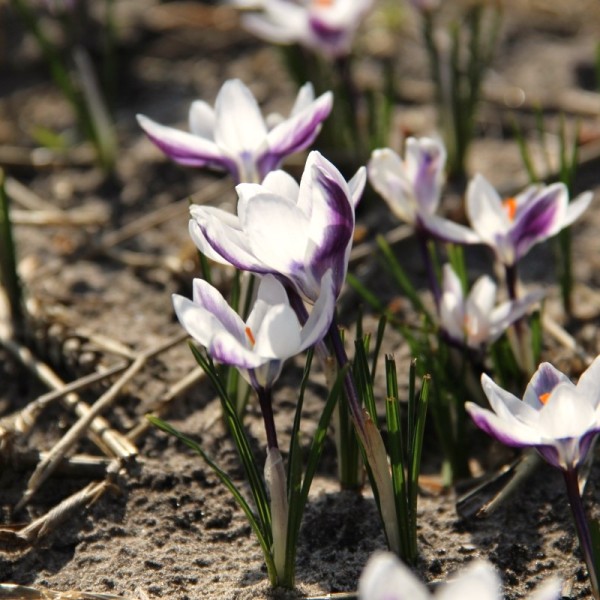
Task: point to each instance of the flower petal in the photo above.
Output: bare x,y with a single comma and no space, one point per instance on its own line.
240,127
484,209
227,349
186,148
388,176
210,299
448,231
540,220
386,578
279,333
357,185
589,383
202,120
478,580
544,380
320,318
508,432
576,208
295,133
506,405
282,184
425,159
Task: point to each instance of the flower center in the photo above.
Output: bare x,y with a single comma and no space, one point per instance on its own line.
544,397
510,206
250,336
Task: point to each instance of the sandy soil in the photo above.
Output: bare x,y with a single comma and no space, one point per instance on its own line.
166,527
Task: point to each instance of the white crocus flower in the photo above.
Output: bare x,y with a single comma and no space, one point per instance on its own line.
556,417
476,320
324,26
386,578
271,334
412,188
297,232
513,225
233,136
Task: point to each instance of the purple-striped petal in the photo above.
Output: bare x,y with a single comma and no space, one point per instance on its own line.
186,148
295,133
544,380
539,220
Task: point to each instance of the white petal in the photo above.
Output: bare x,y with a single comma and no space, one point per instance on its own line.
506,405
386,578
566,414
576,208
202,120
424,162
357,185
277,232
388,176
484,209
239,126
588,385
209,298
547,590
185,148
282,184
321,315
279,333
447,230
479,581
197,321
482,296
305,96
543,381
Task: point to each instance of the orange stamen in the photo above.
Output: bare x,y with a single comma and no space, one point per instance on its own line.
510,206
323,3
250,335
544,397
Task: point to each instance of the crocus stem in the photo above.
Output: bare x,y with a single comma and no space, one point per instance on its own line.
511,281
583,530
423,239
266,408
349,383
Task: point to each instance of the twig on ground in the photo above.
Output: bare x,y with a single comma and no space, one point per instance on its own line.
177,388
46,467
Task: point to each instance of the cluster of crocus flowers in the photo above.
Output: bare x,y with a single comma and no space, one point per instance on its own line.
387,578
326,27
233,136
476,320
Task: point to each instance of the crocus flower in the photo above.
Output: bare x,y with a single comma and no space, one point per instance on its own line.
476,320
387,578
556,417
297,232
271,334
512,226
325,26
234,136
412,187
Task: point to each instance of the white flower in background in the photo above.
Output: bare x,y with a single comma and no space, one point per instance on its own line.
233,136
271,334
513,225
324,26
412,187
386,578
556,417
476,320
296,232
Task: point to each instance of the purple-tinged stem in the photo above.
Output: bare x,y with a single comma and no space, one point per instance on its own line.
511,281
349,383
266,408
582,526
423,239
